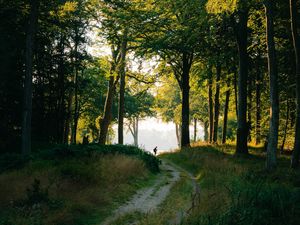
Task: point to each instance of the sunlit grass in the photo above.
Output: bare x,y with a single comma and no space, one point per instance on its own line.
237,189
80,190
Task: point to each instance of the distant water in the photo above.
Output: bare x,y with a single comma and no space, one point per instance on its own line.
153,132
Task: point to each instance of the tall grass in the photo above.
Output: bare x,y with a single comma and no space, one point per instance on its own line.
237,190
72,185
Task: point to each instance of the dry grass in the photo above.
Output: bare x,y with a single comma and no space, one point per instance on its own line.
79,189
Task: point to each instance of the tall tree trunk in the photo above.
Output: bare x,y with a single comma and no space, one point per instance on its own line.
185,112
134,129
285,126
272,69
235,94
108,106
68,122
258,104
105,121
242,130
136,137
178,134
224,135
210,106
249,108
206,125
195,129
122,90
27,101
61,101
76,108
217,105
296,42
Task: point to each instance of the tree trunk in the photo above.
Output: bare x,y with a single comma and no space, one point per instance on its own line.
235,94
108,106
136,137
122,90
27,101
178,134
258,104
272,69
242,130
134,130
185,112
210,106
195,129
68,118
249,108
225,115
105,121
61,101
217,105
296,42
285,126
76,108
206,125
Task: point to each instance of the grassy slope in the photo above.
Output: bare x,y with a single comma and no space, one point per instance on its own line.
75,188
237,190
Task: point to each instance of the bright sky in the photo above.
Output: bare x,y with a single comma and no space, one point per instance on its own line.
153,132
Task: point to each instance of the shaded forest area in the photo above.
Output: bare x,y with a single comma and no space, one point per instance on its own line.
232,66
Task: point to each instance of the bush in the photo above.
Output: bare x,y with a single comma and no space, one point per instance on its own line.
11,161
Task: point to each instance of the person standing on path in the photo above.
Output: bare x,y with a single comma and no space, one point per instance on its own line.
155,150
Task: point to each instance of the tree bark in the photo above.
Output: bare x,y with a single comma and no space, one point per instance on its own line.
105,121
206,125
178,134
285,126
134,129
258,104
122,90
108,106
195,129
296,43
249,107
272,69
76,108
224,135
217,105
235,94
242,130
68,122
27,101
210,106
185,111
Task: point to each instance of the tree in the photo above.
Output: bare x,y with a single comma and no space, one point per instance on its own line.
274,96
27,102
217,104
296,43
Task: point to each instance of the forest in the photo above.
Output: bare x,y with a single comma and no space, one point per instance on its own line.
71,70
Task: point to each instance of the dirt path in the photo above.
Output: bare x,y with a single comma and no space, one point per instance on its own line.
148,199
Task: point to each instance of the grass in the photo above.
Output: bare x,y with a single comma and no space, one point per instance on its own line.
72,185
237,190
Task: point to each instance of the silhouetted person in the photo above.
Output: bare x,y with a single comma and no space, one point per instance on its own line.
155,150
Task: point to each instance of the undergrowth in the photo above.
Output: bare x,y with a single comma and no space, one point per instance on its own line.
237,190
66,185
